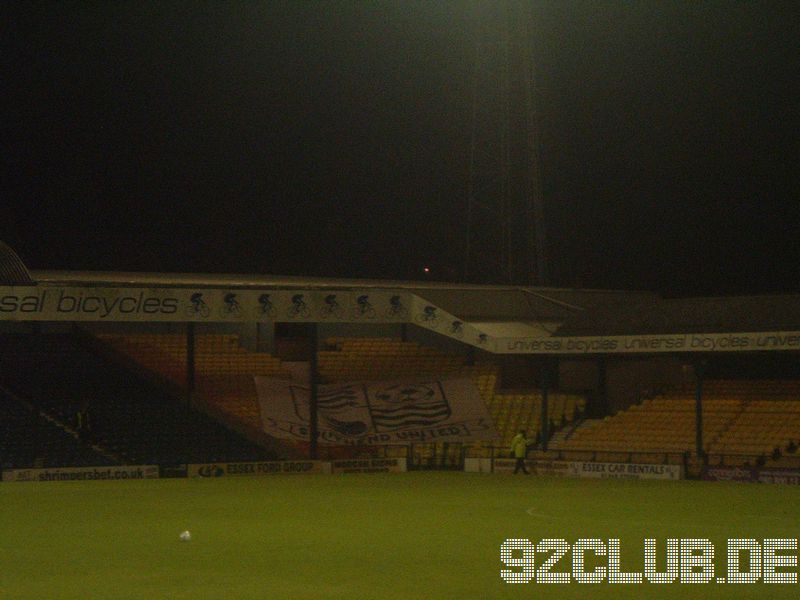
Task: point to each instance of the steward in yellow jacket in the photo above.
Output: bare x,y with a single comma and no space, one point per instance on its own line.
519,448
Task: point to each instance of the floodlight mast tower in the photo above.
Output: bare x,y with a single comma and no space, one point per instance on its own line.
505,226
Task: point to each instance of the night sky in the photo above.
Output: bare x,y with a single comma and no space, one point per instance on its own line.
333,139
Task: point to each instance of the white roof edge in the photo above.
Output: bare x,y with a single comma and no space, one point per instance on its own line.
234,279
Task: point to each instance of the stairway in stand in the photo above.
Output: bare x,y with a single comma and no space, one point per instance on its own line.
560,437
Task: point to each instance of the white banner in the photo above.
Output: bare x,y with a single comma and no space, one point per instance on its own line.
369,465
550,468
83,473
53,303
477,465
781,477
431,317
377,413
630,344
595,470
256,468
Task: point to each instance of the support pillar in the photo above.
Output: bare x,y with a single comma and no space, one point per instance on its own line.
470,360
699,373
544,371
602,408
265,337
190,363
313,429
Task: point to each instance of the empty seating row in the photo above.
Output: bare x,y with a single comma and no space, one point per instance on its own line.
225,370
739,418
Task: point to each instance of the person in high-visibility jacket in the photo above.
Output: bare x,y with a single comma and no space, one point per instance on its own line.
519,448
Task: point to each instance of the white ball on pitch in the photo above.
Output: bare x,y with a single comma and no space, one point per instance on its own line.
186,536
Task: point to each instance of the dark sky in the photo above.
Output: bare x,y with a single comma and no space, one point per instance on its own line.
333,139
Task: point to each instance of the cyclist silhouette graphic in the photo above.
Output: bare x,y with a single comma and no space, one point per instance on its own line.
231,307
331,308
428,316
265,307
364,308
396,308
198,306
299,308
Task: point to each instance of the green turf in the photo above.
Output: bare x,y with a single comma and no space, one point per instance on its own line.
414,535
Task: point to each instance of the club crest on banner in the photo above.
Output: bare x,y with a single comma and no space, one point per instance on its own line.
402,405
376,413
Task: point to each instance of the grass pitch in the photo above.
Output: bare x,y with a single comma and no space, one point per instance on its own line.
414,535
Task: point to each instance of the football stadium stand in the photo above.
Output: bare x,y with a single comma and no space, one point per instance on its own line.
48,378
224,371
768,421
742,422
128,417
352,359
225,387
29,439
159,367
